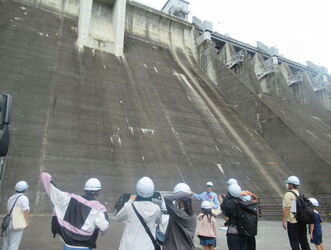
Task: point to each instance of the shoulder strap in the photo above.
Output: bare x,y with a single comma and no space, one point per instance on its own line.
148,231
11,210
293,193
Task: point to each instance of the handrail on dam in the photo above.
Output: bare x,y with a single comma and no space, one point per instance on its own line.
218,37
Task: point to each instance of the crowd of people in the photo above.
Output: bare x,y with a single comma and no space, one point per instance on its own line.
78,219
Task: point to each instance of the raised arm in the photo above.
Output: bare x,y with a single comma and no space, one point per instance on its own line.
57,196
122,215
198,197
216,202
172,208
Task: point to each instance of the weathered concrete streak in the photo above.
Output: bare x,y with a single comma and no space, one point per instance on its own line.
229,127
288,127
151,112
101,123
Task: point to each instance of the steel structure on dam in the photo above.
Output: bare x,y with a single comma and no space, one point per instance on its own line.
99,97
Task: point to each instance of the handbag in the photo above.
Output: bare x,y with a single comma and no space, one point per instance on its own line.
148,231
6,220
160,236
18,219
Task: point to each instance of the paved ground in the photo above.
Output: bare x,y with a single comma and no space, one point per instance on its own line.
38,236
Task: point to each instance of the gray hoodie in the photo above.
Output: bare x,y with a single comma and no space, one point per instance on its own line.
181,227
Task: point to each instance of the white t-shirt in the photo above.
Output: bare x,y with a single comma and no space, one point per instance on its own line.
22,202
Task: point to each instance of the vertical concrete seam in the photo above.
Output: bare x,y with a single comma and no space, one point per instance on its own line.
49,110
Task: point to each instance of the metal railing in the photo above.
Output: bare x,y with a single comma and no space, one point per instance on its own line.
295,78
269,66
236,59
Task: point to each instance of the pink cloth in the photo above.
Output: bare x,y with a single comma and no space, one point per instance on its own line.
206,228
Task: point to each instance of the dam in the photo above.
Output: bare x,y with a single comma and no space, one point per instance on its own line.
118,90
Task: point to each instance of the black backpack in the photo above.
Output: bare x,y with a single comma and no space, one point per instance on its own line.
247,218
305,210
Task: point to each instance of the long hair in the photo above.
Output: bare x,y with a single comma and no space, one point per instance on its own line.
208,213
188,206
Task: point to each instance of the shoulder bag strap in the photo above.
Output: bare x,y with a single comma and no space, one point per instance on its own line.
11,210
148,231
293,193
296,196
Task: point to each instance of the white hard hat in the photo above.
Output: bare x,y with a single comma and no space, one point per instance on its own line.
234,190
21,186
182,187
314,202
293,180
232,181
246,198
145,187
92,184
164,207
209,183
206,205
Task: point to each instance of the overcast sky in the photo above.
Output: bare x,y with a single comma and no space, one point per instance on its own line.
300,29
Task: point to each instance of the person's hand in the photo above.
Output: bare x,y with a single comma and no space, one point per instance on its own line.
311,236
133,197
220,199
284,222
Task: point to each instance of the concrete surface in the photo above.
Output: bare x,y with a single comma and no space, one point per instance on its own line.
270,236
86,114
299,134
150,112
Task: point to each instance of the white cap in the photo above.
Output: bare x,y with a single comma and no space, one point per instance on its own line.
163,207
232,181
246,198
234,190
314,202
182,187
145,187
209,183
293,180
21,186
206,205
92,184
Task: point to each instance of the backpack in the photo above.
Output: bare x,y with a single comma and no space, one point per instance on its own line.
247,218
305,210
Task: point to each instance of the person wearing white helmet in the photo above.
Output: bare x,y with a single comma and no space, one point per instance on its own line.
206,229
235,240
297,232
19,200
135,235
77,219
164,218
315,229
231,181
209,195
182,221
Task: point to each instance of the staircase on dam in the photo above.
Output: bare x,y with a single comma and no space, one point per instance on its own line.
152,111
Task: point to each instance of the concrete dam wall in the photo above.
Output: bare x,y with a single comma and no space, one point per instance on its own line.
152,111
